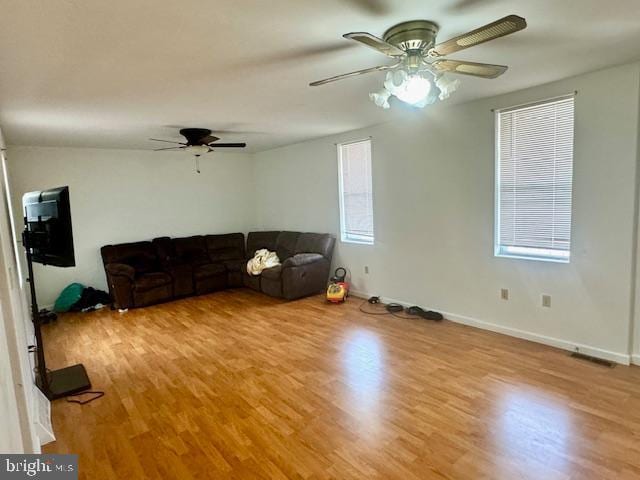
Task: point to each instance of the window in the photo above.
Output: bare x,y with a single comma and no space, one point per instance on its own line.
356,197
534,168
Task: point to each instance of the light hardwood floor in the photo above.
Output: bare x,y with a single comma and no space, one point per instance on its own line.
239,385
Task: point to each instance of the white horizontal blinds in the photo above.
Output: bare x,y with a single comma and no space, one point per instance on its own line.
356,191
535,177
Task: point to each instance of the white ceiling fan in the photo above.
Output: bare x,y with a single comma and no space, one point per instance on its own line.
418,76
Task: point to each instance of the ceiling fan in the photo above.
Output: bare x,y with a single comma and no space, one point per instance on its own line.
199,141
418,76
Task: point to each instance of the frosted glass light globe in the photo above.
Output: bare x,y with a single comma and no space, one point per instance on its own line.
197,150
381,98
414,90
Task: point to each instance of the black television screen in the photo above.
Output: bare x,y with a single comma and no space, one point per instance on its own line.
48,232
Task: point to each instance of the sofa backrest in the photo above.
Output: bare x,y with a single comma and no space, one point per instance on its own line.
286,244
191,249
140,255
225,247
258,240
321,243
164,248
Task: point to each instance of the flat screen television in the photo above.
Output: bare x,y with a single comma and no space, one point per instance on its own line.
48,233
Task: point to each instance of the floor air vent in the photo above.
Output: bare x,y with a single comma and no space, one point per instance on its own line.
589,358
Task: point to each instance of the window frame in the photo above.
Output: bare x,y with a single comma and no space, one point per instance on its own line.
344,237
516,252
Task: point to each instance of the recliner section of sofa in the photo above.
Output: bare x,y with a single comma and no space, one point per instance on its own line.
144,273
135,275
305,261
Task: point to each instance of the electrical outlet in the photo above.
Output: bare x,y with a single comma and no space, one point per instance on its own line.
546,301
504,294
366,269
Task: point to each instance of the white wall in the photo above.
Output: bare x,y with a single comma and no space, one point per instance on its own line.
130,195
433,180
635,327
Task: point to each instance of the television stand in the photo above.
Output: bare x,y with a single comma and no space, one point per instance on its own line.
55,383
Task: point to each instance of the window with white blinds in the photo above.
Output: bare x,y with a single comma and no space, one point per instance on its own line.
534,169
356,195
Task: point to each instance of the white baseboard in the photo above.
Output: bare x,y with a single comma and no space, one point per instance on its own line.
620,358
635,359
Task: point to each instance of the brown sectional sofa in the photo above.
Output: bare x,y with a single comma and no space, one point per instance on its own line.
144,273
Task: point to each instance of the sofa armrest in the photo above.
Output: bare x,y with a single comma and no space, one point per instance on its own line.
120,279
301,259
120,270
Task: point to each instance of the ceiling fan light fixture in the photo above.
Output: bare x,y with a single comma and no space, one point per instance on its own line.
395,79
447,86
415,89
381,98
197,150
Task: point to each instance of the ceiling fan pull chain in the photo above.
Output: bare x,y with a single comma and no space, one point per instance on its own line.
198,163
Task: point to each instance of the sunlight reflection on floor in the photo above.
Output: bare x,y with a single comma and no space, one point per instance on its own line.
363,362
534,426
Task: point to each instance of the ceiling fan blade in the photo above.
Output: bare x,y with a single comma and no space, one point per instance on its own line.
379,68
225,145
484,70
168,148
166,141
209,139
499,28
376,43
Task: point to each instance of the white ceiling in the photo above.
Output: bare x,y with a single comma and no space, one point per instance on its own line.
113,73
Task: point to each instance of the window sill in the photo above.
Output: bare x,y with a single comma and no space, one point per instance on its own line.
356,242
538,259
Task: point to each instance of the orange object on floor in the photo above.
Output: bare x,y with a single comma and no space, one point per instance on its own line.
338,289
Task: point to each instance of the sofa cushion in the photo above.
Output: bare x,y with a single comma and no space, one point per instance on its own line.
191,249
235,265
227,253
134,250
258,240
142,262
164,248
209,270
321,243
182,276
273,272
147,281
225,247
120,270
286,244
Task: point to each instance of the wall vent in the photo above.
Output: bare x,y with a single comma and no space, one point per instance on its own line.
589,358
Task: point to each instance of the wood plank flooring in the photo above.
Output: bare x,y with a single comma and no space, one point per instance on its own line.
239,385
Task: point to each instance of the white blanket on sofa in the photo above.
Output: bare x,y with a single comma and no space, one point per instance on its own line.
261,260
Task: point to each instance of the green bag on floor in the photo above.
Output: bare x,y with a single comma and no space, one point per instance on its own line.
68,297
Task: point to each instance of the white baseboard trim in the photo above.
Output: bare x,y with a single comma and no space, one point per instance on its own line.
623,359
635,359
